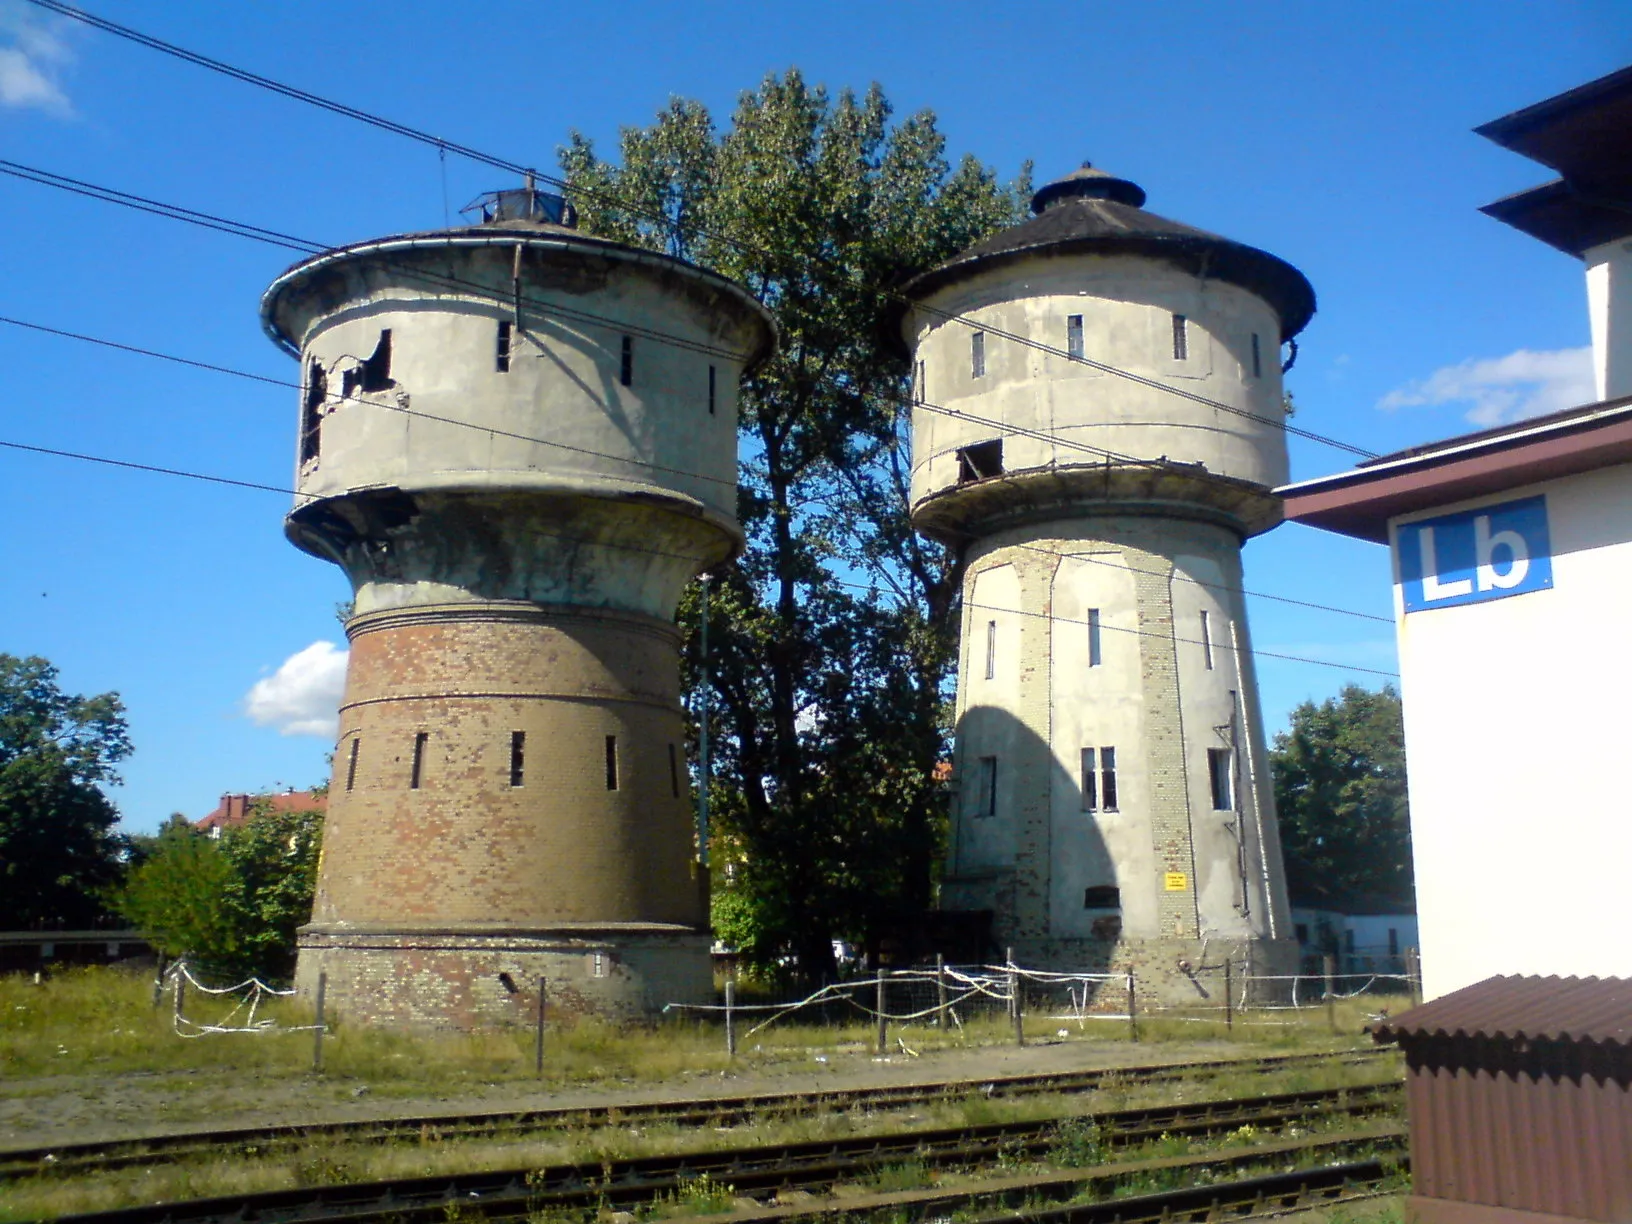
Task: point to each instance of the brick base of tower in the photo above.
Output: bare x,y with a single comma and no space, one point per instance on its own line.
470,979
509,802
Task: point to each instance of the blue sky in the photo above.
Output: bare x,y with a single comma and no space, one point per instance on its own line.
1335,135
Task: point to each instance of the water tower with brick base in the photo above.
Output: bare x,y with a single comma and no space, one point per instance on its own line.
519,443
1113,806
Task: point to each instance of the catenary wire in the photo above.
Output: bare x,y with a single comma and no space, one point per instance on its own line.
208,478
285,383
444,146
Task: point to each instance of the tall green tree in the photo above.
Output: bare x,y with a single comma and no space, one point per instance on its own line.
1340,791
232,905
58,850
832,637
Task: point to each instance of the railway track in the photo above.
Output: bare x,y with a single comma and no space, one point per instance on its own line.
707,1111
775,1171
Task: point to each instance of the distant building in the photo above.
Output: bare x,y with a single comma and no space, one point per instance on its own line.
233,810
1113,807
1512,554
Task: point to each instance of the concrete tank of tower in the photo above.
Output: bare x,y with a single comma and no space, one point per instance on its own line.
1097,427
519,443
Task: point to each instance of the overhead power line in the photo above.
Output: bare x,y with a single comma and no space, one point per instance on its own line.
391,407
445,146
209,478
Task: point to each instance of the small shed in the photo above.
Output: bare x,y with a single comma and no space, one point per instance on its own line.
1519,1091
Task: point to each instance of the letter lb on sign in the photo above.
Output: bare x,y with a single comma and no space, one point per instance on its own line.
1488,553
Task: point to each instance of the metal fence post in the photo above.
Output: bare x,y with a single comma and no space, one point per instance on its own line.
883,1024
317,1039
181,994
1413,975
730,1017
1133,1023
1008,961
1330,969
940,991
1019,1005
1229,999
538,1048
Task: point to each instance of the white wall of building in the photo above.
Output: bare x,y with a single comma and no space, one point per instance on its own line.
1609,303
1518,752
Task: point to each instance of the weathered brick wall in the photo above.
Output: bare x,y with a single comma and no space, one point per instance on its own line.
425,891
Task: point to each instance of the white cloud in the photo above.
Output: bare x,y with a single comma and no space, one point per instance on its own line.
31,61
1501,389
303,696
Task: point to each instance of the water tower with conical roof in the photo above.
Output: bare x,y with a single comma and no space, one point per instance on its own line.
519,443
1098,428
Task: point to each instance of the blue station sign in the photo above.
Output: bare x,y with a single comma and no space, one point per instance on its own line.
1489,553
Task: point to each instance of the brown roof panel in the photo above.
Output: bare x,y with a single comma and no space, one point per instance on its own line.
1524,1008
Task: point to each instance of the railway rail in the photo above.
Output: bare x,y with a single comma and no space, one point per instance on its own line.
814,1167
261,1141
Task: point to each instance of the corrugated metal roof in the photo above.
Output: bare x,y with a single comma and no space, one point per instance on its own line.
1531,1008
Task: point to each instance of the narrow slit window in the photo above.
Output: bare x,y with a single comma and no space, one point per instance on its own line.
674,772
977,355
501,356
611,762
713,383
1088,782
1107,778
1181,338
987,795
1206,640
981,461
311,415
1220,772
518,757
991,649
1073,337
351,763
417,770
1102,896
919,394
1257,358
1094,657
626,373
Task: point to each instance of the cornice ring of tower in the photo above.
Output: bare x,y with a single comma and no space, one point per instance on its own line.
1018,498
512,612
549,239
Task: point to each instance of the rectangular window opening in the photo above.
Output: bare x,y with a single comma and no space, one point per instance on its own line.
1102,896
501,357
1073,337
1257,358
988,787
1206,640
626,375
311,416
414,773
991,650
1393,941
1181,338
1088,783
351,763
611,762
518,757
1094,657
674,772
981,461
1220,773
919,394
1107,778
712,382
977,355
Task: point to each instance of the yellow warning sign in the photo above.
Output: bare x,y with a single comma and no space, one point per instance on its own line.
1175,881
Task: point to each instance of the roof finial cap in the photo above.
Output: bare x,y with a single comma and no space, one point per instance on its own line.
1088,183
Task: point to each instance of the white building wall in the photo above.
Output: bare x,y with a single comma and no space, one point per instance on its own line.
1609,304
1517,753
